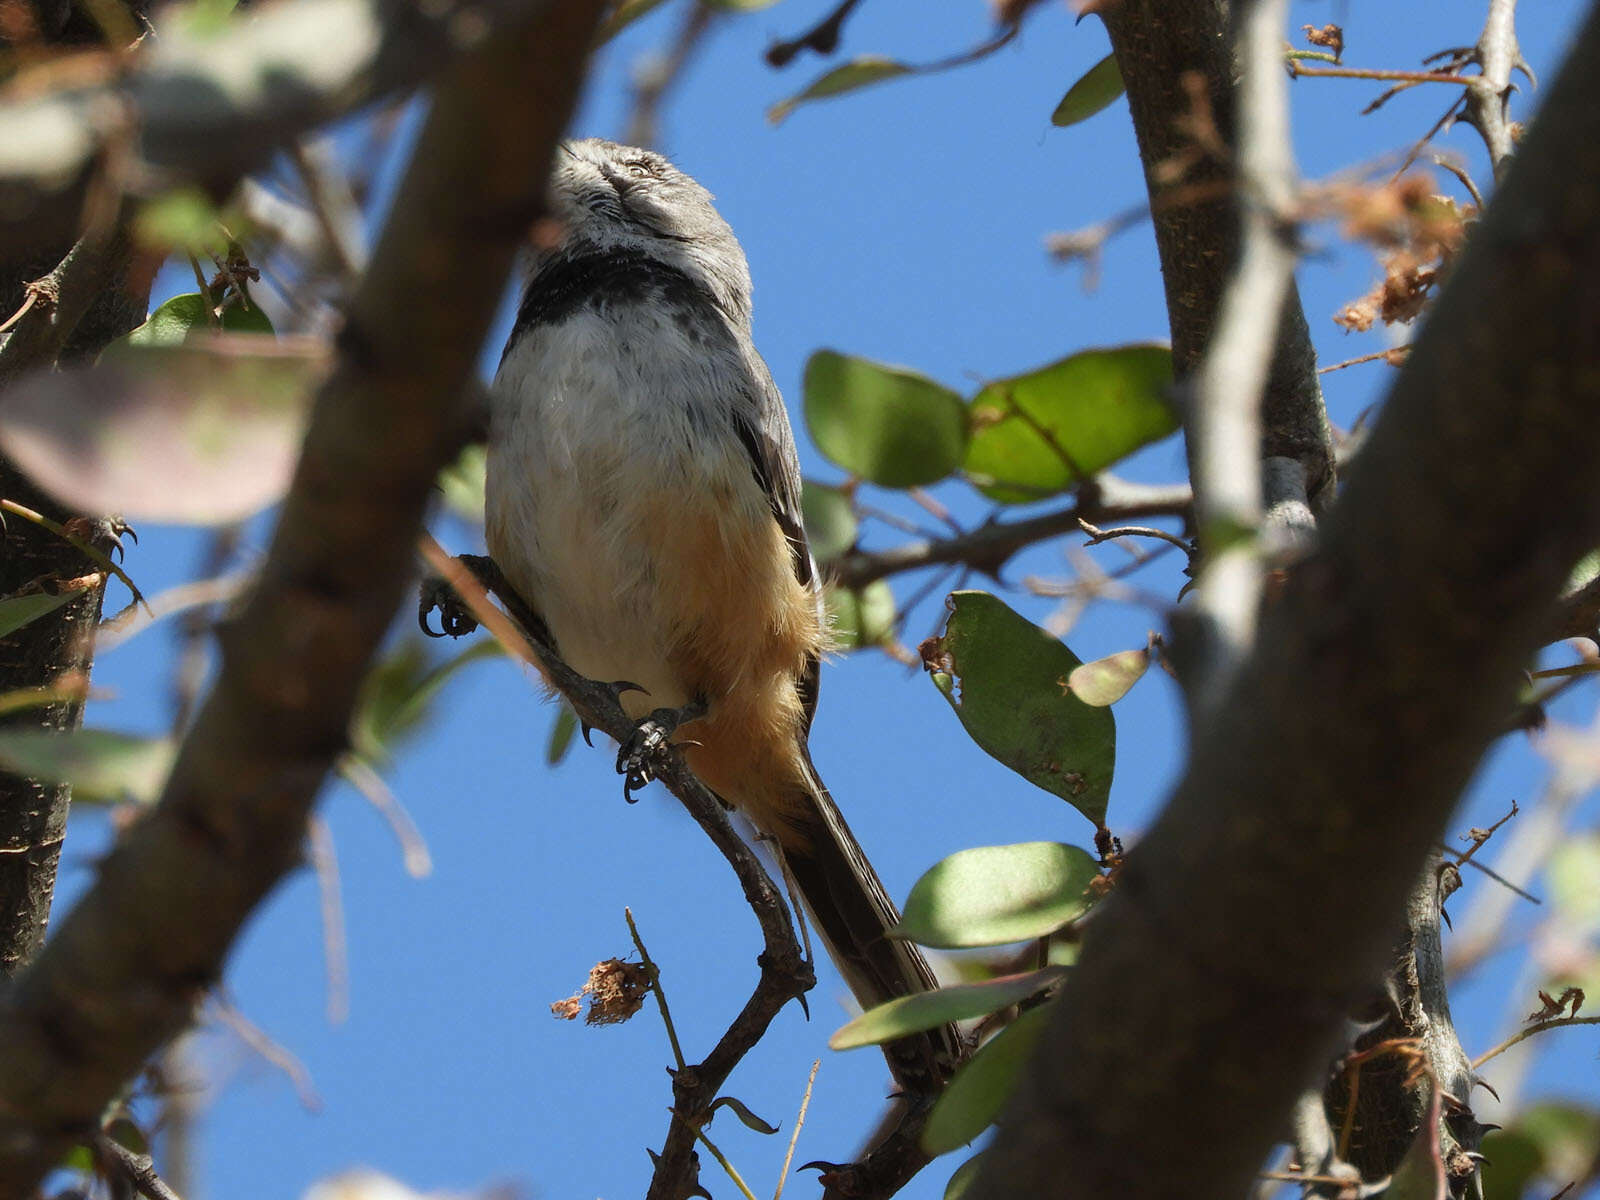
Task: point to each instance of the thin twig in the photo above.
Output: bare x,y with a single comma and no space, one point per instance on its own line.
990,546
1379,73
1365,358
257,1039
822,38
1098,535
794,1135
656,989
722,1161
335,951
92,552
358,773
1524,1034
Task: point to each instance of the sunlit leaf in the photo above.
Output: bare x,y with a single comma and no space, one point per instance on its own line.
990,895
1007,680
1107,680
1097,89
930,1010
184,318
463,481
201,433
101,765
857,73
830,520
886,424
17,611
1040,433
979,1090
861,618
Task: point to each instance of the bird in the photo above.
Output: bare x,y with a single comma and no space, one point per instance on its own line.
643,499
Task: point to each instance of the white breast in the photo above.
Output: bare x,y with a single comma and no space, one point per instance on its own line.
608,432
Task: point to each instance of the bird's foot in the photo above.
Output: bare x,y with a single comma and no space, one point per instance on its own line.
639,757
455,618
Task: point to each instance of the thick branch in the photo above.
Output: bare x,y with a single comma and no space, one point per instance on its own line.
210,107
128,965
1162,48
1212,983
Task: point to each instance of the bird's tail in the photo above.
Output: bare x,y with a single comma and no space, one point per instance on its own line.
853,914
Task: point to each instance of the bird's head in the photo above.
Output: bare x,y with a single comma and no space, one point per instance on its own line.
609,198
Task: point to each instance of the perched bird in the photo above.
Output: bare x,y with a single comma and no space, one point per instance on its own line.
644,500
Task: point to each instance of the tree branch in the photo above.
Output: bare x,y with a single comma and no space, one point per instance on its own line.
126,968
1205,998
989,547
1176,63
786,974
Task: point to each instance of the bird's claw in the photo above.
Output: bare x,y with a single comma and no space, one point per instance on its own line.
455,618
639,756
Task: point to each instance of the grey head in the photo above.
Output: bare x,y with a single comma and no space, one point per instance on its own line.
614,199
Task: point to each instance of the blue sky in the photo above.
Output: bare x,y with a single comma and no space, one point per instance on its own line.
903,223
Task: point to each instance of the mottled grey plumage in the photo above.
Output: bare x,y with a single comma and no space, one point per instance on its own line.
644,497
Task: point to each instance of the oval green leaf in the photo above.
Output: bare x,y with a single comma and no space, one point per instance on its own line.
101,765
962,1179
929,1010
399,691
1040,433
860,619
991,895
1097,89
886,424
17,611
202,433
1107,680
1007,680
830,519
184,318
979,1090
857,73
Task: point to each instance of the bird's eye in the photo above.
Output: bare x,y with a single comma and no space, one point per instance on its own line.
639,169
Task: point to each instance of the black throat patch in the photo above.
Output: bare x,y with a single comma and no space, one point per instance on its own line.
568,285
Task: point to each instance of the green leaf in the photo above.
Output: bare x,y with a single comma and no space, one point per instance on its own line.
1097,89
886,424
1555,1141
991,895
830,519
463,482
185,317
1107,680
399,690
860,619
561,731
857,73
962,1179
1573,869
1040,433
101,765
17,611
929,1010
205,432
741,1110
1007,680
980,1089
